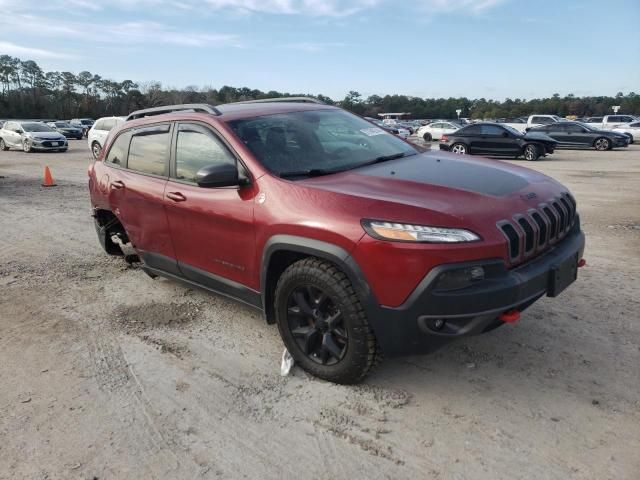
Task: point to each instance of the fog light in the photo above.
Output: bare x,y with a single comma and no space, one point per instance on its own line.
438,324
460,278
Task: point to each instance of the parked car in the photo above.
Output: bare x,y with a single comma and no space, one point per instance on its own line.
66,129
435,130
580,135
534,121
83,123
29,136
395,128
632,129
609,122
99,131
497,139
351,240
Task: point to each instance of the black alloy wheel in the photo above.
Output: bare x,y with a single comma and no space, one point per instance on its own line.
317,325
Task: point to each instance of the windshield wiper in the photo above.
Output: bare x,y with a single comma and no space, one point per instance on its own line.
385,158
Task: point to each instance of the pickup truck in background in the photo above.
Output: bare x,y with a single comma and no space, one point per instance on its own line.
609,122
534,121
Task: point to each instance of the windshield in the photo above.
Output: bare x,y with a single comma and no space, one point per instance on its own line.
36,127
317,142
86,122
62,125
588,127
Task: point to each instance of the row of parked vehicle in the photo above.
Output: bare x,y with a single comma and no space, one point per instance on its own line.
531,137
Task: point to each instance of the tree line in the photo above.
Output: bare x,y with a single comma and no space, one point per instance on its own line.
27,91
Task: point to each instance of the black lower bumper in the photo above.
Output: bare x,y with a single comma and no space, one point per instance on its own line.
432,317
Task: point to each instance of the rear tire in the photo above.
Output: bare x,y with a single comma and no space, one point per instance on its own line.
322,322
459,148
602,144
531,152
96,149
3,146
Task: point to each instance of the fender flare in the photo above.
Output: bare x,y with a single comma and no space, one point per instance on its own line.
324,250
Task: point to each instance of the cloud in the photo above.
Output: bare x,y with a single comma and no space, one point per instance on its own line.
450,6
315,47
9,48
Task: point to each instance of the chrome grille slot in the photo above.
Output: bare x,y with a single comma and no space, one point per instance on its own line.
562,225
553,223
513,239
529,234
542,228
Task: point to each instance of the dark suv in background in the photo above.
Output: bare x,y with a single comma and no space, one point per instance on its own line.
353,241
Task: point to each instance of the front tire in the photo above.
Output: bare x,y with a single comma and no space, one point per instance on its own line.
3,146
531,153
459,148
602,144
26,146
427,137
322,322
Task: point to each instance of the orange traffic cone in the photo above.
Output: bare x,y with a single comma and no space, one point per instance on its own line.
48,179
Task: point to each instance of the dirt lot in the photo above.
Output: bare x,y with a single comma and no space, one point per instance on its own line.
107,373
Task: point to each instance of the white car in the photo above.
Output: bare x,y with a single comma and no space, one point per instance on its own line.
435,130
99,131
30,136
632,129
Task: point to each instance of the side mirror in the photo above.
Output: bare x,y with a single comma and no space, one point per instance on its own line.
19,130
221,175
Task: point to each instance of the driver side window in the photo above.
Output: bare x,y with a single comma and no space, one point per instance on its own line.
197,147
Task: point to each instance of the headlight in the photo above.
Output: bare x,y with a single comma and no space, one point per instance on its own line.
403,232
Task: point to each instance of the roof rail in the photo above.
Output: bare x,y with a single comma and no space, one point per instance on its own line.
283,99
196,107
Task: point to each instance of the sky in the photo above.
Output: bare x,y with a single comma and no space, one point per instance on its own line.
428,48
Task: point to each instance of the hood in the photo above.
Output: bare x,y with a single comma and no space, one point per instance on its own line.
443,183
44,135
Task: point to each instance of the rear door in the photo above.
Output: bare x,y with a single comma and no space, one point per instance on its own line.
212,228
136,180
11,137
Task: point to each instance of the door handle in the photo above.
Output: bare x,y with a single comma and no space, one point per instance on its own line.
117,184
176,196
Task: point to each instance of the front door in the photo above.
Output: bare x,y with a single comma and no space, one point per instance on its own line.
212,228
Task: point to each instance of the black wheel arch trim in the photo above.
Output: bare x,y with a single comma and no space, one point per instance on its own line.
320,249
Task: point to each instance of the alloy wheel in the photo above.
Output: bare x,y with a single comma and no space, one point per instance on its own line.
95,149
317,325
602,144
460,149
26,147
529,152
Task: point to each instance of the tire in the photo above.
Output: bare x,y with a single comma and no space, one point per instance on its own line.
3,146
602,144
427,137
96,149
531,152
322,322
26,147
459,148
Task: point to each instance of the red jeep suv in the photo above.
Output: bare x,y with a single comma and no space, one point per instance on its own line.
353,241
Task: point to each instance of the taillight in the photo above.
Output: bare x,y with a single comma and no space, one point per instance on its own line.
444,138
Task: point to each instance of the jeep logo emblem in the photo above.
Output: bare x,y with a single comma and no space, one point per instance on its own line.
529,196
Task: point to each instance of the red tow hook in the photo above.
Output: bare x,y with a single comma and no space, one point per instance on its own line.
582,263
510,316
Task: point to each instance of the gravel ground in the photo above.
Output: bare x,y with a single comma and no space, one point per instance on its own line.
107,373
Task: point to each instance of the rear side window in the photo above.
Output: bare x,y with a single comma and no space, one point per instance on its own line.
107,124
542,120
149,150
472,130
493,130
198,147
118,152
98,125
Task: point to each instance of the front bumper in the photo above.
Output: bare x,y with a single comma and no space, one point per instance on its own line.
411,327
47,145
